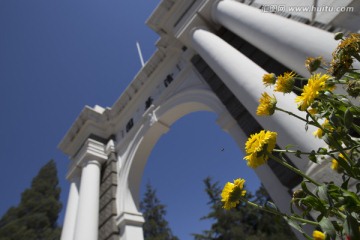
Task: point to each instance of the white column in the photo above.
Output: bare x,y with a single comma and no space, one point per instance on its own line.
67,232
87,222
244,78
286,40
90,158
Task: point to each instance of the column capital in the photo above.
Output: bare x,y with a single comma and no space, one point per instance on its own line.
91,150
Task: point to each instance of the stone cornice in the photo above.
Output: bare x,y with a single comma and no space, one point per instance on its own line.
91,121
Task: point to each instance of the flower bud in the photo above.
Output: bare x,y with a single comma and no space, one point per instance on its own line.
312,64
353,88
299,194
338,35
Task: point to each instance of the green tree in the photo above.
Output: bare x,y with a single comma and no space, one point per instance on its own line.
242,222
155,226
35,218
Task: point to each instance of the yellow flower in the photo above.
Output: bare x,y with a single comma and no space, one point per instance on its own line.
285,82
317,235
311,91
335,164
269,79
312,111
232,193
267,105
257,146
318,133
326,125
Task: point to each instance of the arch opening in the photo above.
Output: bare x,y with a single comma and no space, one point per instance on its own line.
198,109
177,171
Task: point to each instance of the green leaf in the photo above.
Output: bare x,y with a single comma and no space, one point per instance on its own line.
348,118
287,147
344,164
312,156
298,154
345,183
327,226
294,224
334,120
271,206
322,151
352,197
306,190
351,227
322,193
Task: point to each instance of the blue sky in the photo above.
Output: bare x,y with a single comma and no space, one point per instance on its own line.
56,56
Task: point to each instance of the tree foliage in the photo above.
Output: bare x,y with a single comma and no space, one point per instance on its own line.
155,227
242,222
35,218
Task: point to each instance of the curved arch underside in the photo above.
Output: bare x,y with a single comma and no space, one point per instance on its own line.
147,136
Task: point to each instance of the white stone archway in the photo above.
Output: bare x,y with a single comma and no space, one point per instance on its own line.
158,122
199,65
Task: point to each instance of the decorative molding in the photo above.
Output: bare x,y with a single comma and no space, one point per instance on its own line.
134,219
91,151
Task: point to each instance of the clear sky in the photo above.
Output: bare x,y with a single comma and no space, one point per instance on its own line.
56,56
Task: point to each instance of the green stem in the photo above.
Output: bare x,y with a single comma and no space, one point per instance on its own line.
280,213
316,123
297,171
290,113
297,88
316,153
356,128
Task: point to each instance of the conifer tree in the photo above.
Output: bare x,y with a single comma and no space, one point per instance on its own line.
35,218
242,223
155,226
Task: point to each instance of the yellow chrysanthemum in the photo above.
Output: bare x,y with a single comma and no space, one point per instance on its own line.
232,193
317,235
269,79
285,82
267,105
326,125
311,91
257,146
